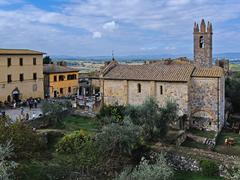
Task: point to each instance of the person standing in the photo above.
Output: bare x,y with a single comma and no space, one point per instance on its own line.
35,103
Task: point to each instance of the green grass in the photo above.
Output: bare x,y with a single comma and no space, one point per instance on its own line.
235,67
193,144
51,162
207,134
222,148
193,176
72,123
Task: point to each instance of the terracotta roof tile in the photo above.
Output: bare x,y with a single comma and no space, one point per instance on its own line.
19,52
53,68
214,71
156,72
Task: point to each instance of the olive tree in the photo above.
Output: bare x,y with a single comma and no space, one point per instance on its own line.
6,166
53,111
118,138
145,170
153,119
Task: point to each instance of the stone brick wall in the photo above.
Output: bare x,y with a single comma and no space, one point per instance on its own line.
203,56
126,92
206,101
222,102
177,92
115,91
136,98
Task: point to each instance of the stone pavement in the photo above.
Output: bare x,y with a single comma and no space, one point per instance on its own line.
15,114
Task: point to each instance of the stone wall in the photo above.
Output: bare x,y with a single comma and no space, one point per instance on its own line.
188,159
204,102
138,98
222,102
176,92
115,91
126,92
203,56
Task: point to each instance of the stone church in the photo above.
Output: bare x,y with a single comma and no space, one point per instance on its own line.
196,86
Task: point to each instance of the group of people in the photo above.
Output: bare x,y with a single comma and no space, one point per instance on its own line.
32,103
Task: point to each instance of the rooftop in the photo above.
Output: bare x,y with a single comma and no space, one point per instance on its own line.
159,72
19,52
214,71
53,68
155,72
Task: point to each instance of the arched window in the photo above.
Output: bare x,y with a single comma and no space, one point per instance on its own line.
139,88
201,42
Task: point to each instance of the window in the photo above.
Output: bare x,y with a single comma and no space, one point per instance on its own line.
61,90
201,42
69,89
21,61
71,77
161,90
34,61
139,88
21,77
55,78
9,61
34,76
9,78
61,78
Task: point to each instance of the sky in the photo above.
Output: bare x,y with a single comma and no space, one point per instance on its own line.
129,27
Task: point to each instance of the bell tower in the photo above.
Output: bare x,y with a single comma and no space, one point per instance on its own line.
203,44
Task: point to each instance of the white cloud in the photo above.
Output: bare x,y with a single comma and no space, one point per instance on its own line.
97,35
178,2
143,23
148,48
8,2
170,48
110,26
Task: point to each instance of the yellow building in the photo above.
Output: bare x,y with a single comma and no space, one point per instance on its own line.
60,81
21,74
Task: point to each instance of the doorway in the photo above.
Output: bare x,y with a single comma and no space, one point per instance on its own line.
16,95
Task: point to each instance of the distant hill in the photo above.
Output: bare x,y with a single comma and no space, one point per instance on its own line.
233,57
228,55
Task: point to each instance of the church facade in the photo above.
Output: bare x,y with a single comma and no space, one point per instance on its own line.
197,87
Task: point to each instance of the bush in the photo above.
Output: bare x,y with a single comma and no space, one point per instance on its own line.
6,165
232,91
235,175
25,141
74,142
153,119
114,112
209,168
53,111
145,170
119,139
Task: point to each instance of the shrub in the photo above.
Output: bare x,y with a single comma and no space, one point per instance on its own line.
114,112
118,139
74,142
153,119
6,165
25,141
168,115
209,168
145,170
232,91
53,111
